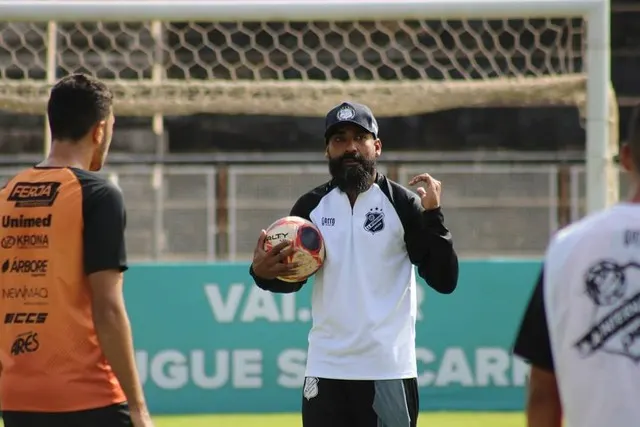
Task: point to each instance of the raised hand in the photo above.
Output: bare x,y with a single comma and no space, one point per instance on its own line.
430,193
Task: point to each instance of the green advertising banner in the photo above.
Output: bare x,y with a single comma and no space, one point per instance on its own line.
208,340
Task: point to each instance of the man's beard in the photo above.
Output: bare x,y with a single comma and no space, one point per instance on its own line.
354,178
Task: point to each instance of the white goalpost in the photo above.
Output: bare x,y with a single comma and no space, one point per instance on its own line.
300,57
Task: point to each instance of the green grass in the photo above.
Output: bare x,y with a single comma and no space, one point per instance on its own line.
427,419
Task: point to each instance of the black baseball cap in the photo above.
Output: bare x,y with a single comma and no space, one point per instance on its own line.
350,112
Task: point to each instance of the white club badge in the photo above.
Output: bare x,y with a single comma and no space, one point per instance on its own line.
346,113
310,388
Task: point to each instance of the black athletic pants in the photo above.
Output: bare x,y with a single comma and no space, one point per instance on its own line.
109,416
349,403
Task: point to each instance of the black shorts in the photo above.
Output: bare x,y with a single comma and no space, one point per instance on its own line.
349,403
109,416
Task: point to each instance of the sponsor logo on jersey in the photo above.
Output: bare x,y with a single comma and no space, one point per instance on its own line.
25,343
24,221
34,267
25,318
34,194
25,293
25,241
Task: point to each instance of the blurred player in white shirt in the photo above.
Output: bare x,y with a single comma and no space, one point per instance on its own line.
581,330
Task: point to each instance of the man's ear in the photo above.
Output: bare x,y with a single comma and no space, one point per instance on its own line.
98,132
626,158
378,146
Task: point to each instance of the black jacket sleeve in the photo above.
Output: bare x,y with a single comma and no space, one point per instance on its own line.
429,243
301,208
276,285
532,342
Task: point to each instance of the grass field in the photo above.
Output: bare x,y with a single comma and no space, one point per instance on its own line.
428,419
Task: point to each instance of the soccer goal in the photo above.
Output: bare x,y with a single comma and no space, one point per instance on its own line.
300,57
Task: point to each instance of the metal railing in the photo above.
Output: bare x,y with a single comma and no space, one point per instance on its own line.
259,195
171,211
174,220
496,210
579,190
202,213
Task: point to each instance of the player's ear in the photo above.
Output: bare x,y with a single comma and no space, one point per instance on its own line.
378,146
626,158
98,132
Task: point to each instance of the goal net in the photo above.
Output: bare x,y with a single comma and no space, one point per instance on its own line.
303,67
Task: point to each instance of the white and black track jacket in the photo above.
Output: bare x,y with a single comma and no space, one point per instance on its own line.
364,304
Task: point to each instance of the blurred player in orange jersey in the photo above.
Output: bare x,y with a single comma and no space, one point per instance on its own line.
65,340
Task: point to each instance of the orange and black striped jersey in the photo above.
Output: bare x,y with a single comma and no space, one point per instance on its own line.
58,226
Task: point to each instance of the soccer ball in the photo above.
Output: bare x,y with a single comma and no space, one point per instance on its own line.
309,251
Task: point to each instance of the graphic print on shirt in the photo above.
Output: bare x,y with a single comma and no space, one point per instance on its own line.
615,328
374,220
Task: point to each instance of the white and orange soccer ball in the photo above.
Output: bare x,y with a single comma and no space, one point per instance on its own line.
309,250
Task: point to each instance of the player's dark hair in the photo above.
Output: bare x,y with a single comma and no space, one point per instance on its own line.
76,104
